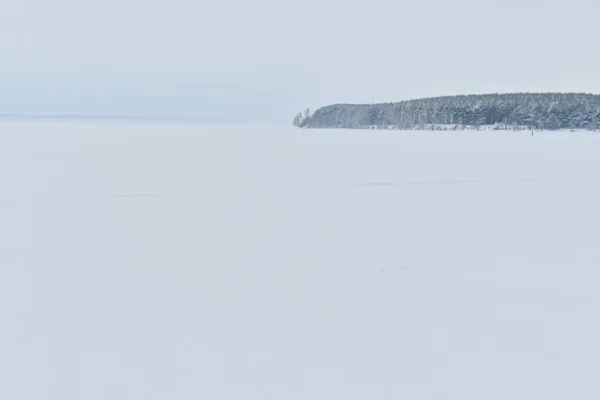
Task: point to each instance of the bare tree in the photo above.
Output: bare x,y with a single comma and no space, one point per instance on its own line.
301,120
298,120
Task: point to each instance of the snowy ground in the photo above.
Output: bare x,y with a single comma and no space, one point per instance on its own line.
197,262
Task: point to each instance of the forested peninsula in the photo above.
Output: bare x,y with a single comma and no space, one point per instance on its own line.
515,111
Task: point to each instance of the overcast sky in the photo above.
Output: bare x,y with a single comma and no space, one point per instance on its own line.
264,60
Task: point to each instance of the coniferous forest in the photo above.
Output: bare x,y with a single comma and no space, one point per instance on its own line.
548,111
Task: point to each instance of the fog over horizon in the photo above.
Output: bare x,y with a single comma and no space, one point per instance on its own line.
266,60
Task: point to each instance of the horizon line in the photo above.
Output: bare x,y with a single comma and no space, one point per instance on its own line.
118,117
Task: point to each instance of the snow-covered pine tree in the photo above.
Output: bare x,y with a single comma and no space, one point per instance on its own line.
505,111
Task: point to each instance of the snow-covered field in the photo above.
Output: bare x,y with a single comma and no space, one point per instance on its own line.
260,263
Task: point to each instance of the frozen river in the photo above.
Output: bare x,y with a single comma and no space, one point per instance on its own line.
265,263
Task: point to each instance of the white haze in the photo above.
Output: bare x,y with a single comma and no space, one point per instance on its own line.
265,60
198,262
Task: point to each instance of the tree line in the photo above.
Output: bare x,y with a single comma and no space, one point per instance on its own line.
504,111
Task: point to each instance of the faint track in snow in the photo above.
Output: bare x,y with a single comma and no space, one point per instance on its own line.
453,182
175,195
110,197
